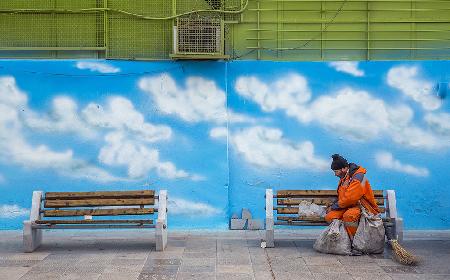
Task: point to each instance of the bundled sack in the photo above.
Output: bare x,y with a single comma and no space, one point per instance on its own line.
334,240
308,209
369,237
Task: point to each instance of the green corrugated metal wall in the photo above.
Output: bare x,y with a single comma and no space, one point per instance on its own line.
267,29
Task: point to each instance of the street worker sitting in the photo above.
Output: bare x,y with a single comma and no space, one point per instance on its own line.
354,191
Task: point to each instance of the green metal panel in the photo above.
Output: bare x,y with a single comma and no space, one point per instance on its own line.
267,29
344,30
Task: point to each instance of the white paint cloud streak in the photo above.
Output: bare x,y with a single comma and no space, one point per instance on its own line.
179,206
266,147
349,67
198,100
12,211
120,114
14,148
97,67
385,160
352,113
408,81
121,151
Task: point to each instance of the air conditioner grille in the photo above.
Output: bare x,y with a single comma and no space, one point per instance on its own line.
199,35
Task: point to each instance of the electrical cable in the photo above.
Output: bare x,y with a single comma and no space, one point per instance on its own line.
302,46
95,10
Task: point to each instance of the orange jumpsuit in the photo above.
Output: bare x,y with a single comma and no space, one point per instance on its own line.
353,187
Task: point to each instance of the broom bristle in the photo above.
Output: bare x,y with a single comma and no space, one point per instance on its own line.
401,255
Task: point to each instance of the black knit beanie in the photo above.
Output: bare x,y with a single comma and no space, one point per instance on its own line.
338,162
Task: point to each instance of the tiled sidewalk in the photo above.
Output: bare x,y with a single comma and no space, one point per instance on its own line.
203,255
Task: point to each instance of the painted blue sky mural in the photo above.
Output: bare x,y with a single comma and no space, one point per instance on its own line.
217,134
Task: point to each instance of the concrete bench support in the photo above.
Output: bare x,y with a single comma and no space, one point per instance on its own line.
32,237
269,219
161,224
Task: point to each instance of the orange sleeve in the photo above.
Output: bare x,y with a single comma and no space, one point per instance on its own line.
351,195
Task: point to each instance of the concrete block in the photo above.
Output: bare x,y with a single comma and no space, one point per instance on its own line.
246,215
238,223
254,224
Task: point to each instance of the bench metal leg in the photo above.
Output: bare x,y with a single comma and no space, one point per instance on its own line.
269,219
161,224
32,237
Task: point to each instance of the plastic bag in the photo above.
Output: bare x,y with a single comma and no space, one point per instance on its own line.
369,237
334,240
307,208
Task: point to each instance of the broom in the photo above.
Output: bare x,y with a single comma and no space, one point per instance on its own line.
399,253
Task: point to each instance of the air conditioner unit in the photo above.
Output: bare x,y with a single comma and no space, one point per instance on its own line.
198,38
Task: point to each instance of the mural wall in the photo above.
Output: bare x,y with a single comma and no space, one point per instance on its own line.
217,134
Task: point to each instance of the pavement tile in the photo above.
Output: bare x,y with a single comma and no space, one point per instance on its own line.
196,276
293,274
234,276
371,276
246,269
208,254
318,260
366,268
161,269
42,276
35,256
327,269
420,276
120,276
80,276
12,273
156,276
198,268
151,262
234,261
399,269
199,261
332,276
18,263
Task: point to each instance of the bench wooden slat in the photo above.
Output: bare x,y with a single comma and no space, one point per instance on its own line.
315,193
99,212
97,202
294,210
318,201
54,222
297,218
100,195
308,219
300,223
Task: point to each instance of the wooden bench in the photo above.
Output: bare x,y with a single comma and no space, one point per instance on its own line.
285,211
82,210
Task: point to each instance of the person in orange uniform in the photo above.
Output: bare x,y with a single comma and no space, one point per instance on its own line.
354,191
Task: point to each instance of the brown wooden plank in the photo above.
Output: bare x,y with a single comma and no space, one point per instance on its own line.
297,218
54,222
297,223
100,195
97,202
309,219
315,193
294,210
318,201
99,212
